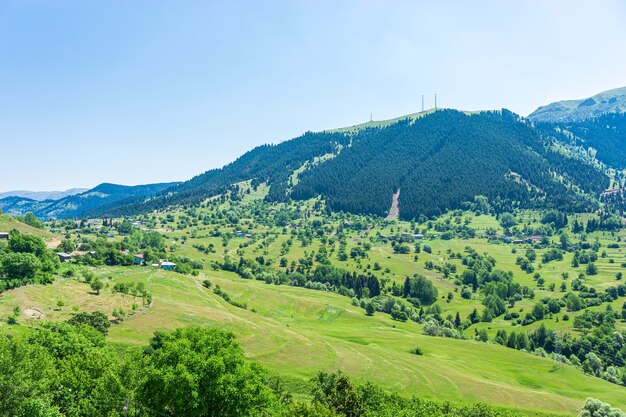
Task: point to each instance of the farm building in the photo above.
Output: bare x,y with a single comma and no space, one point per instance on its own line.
138,259
64,257
4,235
167,265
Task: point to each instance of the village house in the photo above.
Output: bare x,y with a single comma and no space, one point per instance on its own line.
138,259
167,265
4,235
64,257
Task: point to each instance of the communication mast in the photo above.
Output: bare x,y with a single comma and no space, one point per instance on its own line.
435,101
422,102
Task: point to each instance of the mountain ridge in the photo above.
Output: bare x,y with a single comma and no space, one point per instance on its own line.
76,205
42,195
610,101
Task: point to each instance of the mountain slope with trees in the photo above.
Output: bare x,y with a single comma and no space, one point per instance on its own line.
605,134
80,205
444,160
441,161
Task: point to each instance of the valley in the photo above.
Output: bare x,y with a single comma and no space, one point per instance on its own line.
445,259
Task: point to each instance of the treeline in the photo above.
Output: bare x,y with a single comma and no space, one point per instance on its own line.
324,276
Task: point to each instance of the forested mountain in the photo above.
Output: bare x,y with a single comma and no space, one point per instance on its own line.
439,161
446,159
606,134
612,101
79,205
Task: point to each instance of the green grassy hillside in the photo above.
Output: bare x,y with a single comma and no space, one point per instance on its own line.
8,223
296,332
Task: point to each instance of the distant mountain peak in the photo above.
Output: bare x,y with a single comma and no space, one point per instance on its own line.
611,101
42,195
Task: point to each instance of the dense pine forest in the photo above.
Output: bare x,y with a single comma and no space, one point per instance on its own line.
443,160
605,134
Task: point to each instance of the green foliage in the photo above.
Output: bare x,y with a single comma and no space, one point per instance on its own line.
33,221
596,408
21,265
97,320
96,285
195,372
421,288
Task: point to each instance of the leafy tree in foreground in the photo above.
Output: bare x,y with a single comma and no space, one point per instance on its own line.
202,372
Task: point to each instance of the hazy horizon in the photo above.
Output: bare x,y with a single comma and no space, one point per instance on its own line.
136,93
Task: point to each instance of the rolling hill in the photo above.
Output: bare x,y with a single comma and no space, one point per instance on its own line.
612,101
440,160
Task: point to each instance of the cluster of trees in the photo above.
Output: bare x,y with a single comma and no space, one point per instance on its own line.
26,260
329,277
497,288
31,220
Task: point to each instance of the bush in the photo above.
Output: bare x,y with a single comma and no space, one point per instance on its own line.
417,351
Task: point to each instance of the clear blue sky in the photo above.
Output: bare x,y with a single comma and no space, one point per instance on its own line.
148,91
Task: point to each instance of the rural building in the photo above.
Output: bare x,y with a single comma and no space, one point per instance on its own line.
168,265
64,257
4,235
518,241
138,259
418,236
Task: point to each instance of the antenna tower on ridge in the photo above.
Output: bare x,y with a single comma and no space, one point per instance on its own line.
422,102
435,100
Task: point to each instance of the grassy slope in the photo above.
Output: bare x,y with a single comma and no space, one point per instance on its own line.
296,332
8,223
